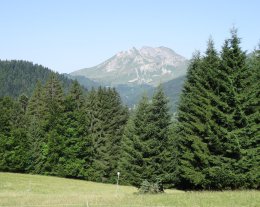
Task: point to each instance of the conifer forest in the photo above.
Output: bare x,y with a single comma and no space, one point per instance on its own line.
212,142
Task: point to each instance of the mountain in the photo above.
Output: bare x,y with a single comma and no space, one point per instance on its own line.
18,76
148,65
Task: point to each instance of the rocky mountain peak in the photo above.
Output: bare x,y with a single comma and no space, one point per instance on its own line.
148,65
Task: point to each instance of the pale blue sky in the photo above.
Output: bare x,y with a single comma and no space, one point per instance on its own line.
66,35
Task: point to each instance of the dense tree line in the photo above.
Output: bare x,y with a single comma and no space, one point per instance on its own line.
17,77
74,135
212,142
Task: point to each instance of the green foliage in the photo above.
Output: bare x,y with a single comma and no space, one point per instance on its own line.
17,77
213,142
13,138
145,141
107,118
150,188
213,130
132,161
64,135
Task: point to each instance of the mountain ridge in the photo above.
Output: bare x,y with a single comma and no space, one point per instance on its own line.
147,65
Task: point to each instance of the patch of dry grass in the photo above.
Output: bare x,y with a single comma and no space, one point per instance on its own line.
34,190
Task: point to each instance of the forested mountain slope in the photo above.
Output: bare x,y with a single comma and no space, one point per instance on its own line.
18,76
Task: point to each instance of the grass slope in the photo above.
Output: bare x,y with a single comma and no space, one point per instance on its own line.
34,190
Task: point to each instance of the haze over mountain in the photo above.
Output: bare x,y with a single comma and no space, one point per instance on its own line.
136,67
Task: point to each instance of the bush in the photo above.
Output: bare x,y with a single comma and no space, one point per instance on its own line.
152,188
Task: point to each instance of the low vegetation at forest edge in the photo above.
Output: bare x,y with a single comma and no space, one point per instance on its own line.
34,190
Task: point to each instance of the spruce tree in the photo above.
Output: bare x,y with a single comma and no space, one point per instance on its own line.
36,121
99,161
214,128
132,164
54,100
73,129
107,118
145,142
192,153
23,100
116,116
251,158
232,79
13,140
158,131
53,110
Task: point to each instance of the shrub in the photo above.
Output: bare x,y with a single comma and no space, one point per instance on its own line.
150,187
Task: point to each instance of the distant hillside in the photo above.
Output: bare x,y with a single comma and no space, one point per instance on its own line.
84,81
173,90
17,77
132,94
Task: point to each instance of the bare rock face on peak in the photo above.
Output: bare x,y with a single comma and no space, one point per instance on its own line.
135,67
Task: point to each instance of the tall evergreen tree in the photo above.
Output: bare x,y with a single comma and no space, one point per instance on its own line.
158,136
145,141
251,158
73,128
232,80
36,121
107,120
212,129
54,99
132,162
13,140
116,116
193,152
53,141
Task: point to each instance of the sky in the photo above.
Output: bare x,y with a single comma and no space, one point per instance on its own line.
67,35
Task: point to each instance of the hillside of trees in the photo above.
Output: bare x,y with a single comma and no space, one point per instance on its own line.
17,77
20,77
212,144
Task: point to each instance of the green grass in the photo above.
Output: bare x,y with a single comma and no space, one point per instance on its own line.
33,190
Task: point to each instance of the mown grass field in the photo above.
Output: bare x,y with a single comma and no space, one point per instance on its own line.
33,190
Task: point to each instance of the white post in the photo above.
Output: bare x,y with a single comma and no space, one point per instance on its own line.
117,183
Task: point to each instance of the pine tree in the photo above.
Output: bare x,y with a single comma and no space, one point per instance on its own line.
251,158
13,140
145,142
158,132
107,118
36,117
53,140
73,129
193,152
213,130
99,161
132,164
232,78
36,103
23,100
54,99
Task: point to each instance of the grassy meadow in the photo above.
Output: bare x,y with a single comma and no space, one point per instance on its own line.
34,190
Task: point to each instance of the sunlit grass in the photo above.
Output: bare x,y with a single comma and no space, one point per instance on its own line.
33,190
